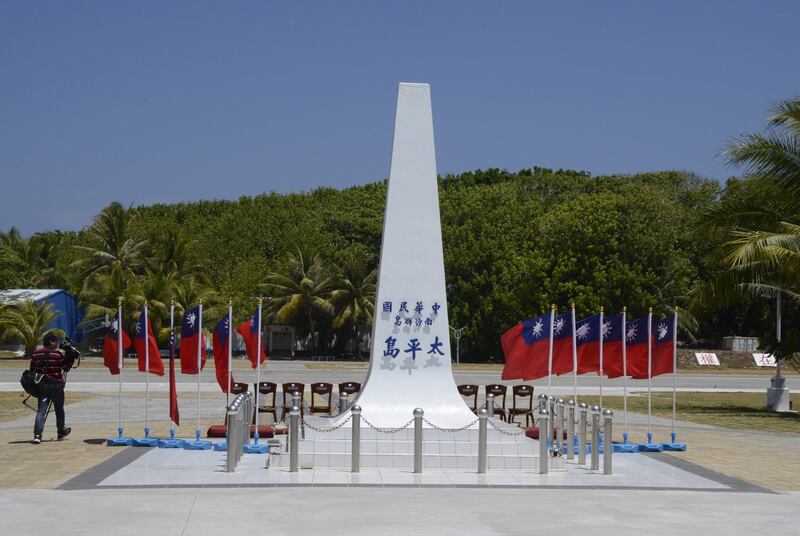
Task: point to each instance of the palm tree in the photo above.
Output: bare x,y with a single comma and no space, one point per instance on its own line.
758,225
101,292
27,322
113,245
353,296
301,293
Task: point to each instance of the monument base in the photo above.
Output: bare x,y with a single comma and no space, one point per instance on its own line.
779,399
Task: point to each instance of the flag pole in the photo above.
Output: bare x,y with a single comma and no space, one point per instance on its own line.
120,440
624,376
230,352
171,358
550,351
258,361
674,369
199,365
601,356
146,373
649,376
574,359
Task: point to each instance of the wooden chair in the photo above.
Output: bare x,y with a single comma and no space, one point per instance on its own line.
523,392
268,406
469,390
289,389
499,391
321,390
349,388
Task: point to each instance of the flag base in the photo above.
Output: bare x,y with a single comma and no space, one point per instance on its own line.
650,447
119,441
145,442
198,444
626,448
256,448
222,445
674,446
171,443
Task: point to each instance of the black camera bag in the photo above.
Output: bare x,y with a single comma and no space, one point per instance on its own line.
31,382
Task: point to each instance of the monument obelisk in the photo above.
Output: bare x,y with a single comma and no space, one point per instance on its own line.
410,359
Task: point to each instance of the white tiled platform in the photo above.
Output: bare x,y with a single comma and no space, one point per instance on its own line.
167,467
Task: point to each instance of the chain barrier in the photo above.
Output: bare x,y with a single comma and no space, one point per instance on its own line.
505,432
387,430
326,430
452,430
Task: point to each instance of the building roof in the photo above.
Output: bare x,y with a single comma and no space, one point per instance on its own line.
14,295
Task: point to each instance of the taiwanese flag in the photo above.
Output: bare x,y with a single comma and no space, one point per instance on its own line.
111,344
220,343
249,331
144,338
174,414
191,339
525,347
663,346
636,341
612,346
587,335
562,344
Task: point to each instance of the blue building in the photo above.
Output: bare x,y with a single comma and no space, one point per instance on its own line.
65,304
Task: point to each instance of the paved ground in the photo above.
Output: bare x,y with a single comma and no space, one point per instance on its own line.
31,504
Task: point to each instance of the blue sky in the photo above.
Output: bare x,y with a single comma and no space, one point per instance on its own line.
145,102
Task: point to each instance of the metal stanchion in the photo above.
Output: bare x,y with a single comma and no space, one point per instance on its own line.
608,448
570,429
418,413
482,436
490,404
551,408
559,424
544,455
582,409
294,439
238,428
542,402
595,438
355,447
342,402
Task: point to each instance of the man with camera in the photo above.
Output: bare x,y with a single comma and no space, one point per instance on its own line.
51,365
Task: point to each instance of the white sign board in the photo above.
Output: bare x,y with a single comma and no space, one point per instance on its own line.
706,359
764,360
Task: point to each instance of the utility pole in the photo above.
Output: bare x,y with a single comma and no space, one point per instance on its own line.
457,334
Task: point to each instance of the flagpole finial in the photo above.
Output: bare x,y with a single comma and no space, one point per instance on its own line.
260,301
553,306
624,308
573,305
230,302
119,301
651,310
200,301
172,303
145,303
602,308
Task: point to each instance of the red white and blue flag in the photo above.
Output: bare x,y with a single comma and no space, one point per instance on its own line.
174,414
526,347
111,344
144,338
636,341
663,346
191,339
587,336
613,339
562,344
219,341
249,331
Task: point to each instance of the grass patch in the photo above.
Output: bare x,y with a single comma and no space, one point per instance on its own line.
11,404
741,411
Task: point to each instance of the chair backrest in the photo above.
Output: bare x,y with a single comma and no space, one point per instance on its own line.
468,390
499,391
321,389
349,388
238,388
265,389
290,388
522,391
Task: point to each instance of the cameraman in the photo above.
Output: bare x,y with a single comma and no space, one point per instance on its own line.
50,363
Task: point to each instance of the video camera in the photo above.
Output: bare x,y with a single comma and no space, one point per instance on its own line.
71,354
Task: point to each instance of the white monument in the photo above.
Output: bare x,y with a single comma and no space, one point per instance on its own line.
410,360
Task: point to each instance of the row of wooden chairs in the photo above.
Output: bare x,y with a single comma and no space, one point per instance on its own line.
521,392
321,396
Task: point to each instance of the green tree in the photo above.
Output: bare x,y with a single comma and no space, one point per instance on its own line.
26,322
353,297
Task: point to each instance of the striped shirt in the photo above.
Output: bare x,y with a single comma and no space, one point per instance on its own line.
50,363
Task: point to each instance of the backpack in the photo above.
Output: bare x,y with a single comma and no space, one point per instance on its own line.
31,382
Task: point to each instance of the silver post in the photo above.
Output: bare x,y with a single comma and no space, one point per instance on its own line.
582,408
544,428
608,447
570,429
232,427
551,407
595,438
482,434
294,438
542,402
342,402
355,464
418,413
490,404
559,424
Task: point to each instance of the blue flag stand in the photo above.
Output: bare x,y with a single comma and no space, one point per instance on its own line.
625,447
145,441
120,440
171,443
197,444
650,446
222,445
674,445
255,447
